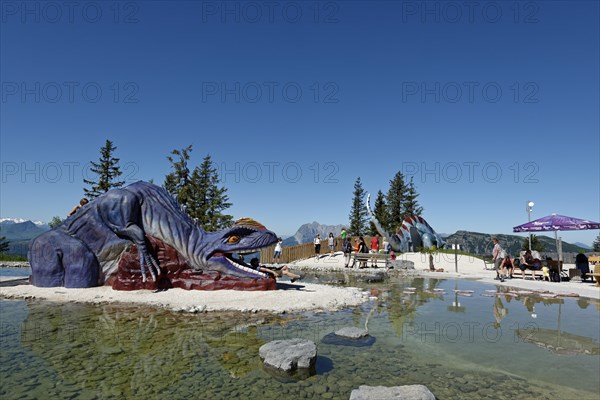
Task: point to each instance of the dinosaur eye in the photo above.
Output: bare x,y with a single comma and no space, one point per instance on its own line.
233,239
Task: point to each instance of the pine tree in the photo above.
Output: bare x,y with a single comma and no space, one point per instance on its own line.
208,200
56,221
358,213
535,244
395,200
380,211
108,171
4,244
411,205
198,192
178,182
597,243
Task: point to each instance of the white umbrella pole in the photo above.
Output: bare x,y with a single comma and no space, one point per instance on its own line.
558,249
556,240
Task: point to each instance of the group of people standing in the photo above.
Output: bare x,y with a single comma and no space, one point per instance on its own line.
360,246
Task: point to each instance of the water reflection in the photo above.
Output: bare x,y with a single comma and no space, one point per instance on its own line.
132,351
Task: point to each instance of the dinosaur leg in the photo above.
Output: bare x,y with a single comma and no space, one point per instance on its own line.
136,235
147,259
121,210
58,259
45,257
80,264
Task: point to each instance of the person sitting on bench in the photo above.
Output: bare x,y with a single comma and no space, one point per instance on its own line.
582,263
507,267
528,262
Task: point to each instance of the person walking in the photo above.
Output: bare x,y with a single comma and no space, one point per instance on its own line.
317,243
331,242
347,249
362,248
277,252
498,256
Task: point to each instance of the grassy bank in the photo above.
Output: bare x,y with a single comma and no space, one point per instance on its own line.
12,257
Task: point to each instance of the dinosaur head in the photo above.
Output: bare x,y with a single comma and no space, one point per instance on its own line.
245,236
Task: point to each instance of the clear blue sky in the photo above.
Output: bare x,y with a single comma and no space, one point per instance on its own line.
486,104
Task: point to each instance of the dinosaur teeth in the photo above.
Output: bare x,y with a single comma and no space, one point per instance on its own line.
246,251
238,264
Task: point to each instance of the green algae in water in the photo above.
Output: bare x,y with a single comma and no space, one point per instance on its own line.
458,345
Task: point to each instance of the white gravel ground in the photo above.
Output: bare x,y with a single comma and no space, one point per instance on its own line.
295,297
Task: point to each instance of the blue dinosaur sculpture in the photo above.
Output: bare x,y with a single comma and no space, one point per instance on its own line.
414,232
89,247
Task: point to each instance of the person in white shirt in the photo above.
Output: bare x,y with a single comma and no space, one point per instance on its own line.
317,245
498,256
331,241
277,252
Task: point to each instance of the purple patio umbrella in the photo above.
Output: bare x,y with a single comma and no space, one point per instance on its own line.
557,223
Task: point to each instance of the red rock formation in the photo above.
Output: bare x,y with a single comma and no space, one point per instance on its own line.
176,273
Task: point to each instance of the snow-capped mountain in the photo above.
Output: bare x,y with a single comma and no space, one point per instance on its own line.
18,232
19,221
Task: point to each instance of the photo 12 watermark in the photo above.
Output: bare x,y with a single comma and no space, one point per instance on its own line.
270,12
278,172
55,172
466,332
69,12
469,92
269,92
471,172
469,12
69,92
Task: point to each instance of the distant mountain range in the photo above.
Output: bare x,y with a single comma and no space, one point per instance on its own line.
19,232
583,245
481,244
307,232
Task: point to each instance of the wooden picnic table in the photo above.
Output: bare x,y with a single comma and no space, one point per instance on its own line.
596,277
369,257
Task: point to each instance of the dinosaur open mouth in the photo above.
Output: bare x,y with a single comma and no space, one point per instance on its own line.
239,263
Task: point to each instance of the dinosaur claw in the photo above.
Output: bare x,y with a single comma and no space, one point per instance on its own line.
146,259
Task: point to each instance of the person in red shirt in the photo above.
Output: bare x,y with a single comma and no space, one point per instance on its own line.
374,249
375,243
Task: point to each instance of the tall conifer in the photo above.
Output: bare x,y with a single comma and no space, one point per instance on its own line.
395,201
199,191
380,211
178,182
107,169
209,200
411,205
358,213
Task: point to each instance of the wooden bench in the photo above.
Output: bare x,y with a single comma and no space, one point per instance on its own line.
551,264
368,257
594,260
596,273
596,277
595,270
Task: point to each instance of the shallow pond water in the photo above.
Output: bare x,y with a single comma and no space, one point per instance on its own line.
461,338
